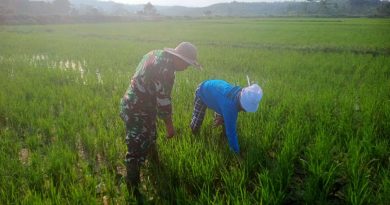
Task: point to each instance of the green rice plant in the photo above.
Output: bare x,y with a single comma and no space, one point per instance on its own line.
269,190
358,189
319,136
383,188
322,169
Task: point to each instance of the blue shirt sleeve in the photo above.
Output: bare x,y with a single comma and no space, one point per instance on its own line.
230,119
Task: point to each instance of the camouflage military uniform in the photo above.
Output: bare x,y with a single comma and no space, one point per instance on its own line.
147,97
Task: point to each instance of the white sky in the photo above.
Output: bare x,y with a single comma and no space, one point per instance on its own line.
189,3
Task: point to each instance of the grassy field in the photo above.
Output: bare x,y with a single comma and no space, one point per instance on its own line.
320,136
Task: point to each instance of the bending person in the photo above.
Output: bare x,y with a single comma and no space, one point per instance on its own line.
226,100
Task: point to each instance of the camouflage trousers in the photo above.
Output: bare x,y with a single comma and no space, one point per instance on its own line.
140,137
140,120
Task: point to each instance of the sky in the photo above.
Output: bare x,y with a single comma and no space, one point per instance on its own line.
189,3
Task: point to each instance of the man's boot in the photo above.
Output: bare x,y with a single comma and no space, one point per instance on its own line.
132,182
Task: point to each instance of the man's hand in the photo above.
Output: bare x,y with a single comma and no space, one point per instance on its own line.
170,132
169,127
218,120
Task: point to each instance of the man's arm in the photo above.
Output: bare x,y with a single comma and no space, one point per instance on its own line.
164,86
169,127
230,118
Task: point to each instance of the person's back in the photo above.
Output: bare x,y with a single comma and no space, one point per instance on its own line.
226,100
220,95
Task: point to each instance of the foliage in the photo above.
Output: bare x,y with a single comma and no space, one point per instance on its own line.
335,8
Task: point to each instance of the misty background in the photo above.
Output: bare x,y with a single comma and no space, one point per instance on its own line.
74,11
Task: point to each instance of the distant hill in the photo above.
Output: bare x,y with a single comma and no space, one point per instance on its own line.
229,9
329,8
109,9
106,7
221,9
49,12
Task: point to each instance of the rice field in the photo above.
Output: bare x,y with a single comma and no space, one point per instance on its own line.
320,136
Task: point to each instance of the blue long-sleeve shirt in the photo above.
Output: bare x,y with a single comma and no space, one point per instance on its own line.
223,98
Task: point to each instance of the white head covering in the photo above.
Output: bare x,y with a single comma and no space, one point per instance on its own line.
250,97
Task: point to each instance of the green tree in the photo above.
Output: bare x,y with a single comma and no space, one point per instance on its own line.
384,8
362,3
207,13
363,7
15,6
61,7
149,9
120,10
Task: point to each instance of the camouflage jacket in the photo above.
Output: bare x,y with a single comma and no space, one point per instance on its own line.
150,88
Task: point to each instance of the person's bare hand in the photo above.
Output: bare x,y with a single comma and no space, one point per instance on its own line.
170,132
169,127
218,121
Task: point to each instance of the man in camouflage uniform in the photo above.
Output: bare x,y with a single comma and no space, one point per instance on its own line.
149,96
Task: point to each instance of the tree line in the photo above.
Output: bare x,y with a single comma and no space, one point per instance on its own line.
64,7
22,11
63,11
26,7
347,7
